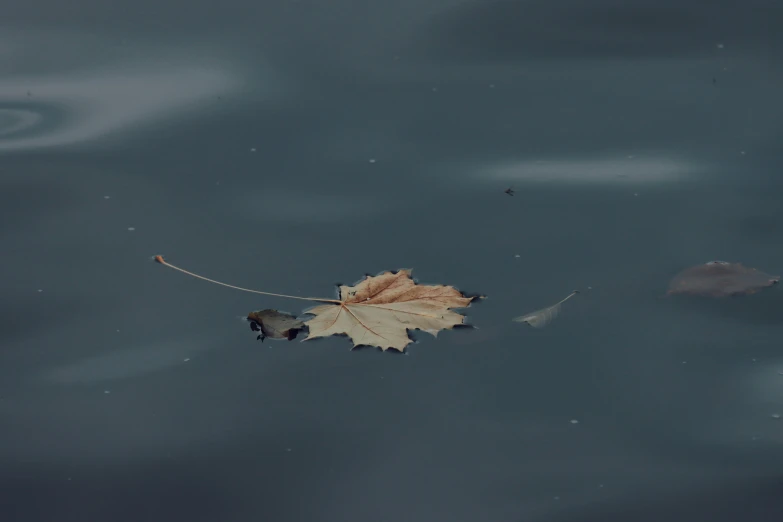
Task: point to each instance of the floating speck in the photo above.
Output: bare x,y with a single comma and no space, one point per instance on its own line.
600,485
719,46
754,360
434,89
106,392
106,197
491,85
131,229
742,152
517,255
253,149
574,421
556,498
589,287
684,362
40,290
288,449
372,160
635,193
186,359
630,157
775,415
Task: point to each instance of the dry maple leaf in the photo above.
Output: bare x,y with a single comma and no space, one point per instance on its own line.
379,310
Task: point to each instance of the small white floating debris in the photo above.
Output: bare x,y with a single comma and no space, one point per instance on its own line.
372,160
589,287
600,485
131,229
684,362
40,290
574,421
106,392
742,152
635,193
630,157
253,149
719,46
775,415
186,359
754,360
556,498
288,449
491,85
106,197
517,255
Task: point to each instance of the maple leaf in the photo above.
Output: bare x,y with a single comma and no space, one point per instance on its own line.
378,311
381,309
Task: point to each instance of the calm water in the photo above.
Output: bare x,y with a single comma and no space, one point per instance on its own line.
291,145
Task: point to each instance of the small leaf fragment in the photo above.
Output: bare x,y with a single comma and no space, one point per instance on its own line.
541,318
274,324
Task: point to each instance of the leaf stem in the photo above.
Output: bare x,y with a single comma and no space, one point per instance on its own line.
569,296
163,262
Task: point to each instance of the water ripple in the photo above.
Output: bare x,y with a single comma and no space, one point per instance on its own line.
67,109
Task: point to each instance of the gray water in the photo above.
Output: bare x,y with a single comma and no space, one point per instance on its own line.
288,146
